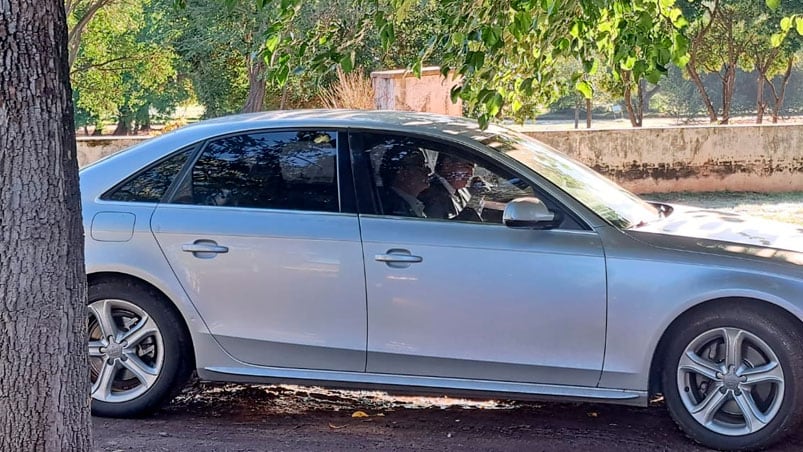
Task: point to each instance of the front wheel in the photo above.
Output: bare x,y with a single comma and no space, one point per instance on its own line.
732,379
138,351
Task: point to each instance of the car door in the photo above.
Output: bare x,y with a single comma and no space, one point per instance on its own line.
268,251
466,297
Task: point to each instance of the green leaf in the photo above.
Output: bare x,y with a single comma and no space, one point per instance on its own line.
585,89
786,24
773,4
272,43
799,25
777,39
347,62
494,105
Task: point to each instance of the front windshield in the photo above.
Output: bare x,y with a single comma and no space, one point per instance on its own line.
613,203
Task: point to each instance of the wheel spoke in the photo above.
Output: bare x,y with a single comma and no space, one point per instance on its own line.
734,338
144,328
102,311
753,417
102,389
770,372
692,362
704,412
94,349
143,372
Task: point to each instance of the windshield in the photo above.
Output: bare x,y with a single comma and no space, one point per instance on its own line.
610,201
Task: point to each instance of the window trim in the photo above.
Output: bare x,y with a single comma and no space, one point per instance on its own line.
369,207
204,144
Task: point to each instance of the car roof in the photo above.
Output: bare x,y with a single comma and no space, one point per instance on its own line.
429,123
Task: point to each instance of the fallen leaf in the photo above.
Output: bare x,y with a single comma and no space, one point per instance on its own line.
336,427
359,414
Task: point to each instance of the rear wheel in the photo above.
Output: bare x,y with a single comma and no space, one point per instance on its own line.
138,350
732,380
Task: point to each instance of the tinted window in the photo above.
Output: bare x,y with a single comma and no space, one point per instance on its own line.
275,170
418,178
151,184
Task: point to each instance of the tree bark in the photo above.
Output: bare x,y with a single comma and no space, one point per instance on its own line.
588,113
44,384
777,105
760,98
124,120
256,85
577,106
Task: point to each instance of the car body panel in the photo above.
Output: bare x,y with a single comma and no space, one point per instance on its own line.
290,290
486,302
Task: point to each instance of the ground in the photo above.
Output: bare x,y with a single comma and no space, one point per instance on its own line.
215,417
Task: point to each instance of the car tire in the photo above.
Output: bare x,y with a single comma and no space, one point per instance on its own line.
139,350
736,359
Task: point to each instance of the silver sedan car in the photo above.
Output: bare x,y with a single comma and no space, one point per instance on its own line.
412,251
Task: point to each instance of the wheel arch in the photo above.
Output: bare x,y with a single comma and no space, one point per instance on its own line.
95,278
654,385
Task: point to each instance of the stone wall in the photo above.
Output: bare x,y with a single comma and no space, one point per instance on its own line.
718,158
734,158
401,90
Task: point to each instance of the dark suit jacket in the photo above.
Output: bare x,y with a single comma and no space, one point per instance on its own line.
393,204
439,203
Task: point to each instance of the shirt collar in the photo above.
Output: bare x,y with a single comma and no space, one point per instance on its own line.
446,184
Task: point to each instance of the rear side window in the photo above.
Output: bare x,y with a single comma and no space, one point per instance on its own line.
294,170
150,185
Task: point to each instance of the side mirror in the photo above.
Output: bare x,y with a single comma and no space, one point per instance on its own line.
528,213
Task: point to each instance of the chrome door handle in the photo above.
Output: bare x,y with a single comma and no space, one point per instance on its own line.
398,256
204,246
401,258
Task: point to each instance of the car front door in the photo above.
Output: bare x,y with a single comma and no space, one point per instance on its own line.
268,251
463,296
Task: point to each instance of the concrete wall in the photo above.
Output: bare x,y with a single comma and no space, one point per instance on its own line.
735,158
95,148
717,158
401,90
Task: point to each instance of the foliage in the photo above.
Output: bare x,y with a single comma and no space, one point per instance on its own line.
506,51
122,68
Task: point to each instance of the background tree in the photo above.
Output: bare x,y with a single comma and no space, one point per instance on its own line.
43,373
124,68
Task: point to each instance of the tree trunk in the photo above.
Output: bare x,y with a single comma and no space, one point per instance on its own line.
691,69
577,106
760,97
588,113
124,121
728,87
44,384
629,98
256,85
777,105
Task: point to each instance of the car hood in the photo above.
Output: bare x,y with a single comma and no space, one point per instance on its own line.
698,223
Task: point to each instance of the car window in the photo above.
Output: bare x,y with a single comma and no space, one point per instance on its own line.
274,170
150,185
423,179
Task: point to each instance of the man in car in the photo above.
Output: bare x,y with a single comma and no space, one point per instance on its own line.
448,196
405,175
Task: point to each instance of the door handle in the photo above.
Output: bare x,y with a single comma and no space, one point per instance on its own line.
204,246
399,257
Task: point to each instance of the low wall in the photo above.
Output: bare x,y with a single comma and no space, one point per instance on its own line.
95,148
734,158
767,158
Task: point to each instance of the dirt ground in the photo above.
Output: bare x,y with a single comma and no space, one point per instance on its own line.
213,417
209,417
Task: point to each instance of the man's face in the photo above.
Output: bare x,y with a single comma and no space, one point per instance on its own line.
414,177
457,172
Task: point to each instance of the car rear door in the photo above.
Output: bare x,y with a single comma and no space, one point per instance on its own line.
268,249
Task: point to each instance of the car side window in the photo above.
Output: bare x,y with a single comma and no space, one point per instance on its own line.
150,185
424,179
294,170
